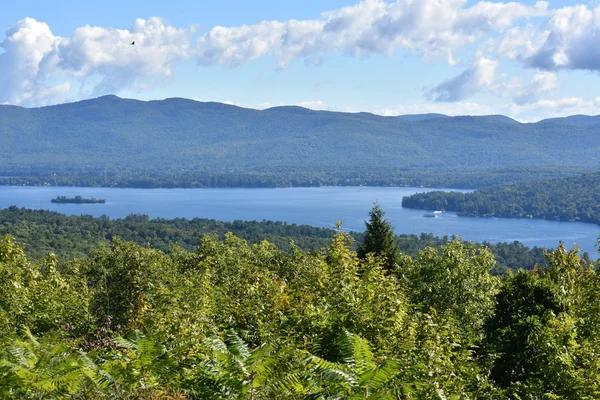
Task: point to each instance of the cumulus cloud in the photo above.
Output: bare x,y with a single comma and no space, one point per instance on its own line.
478,76
567,40
541,84
37,67
237,45
481,76
21,73
432,28
107,54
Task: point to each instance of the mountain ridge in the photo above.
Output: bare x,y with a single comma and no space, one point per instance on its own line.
182,134
580,120
575,120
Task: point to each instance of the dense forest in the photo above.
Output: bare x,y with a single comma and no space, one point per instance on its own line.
567,199
43,232
231,320
180,135
459,178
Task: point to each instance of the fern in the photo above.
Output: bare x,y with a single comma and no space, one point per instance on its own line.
47,368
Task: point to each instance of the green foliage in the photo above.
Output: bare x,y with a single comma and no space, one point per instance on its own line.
568,199
455,279
143,364
543,329
36,296
233,320
357,375
379,238
47,368
42,232
15,276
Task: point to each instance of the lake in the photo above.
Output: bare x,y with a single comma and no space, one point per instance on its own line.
312,206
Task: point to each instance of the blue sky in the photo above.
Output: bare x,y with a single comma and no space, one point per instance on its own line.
528,59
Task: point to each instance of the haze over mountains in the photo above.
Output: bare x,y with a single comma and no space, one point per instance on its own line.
185,134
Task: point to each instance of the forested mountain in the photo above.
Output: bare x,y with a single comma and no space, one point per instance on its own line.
177,135
567,199
421,117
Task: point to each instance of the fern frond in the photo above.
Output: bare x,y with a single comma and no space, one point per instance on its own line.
237,346
381,375
361,353
331,371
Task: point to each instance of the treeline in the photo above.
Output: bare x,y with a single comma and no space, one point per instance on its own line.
43,232
232,320
568,199
462,178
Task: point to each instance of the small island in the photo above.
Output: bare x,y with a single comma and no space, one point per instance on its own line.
77,200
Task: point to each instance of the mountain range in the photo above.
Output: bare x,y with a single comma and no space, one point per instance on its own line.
181,134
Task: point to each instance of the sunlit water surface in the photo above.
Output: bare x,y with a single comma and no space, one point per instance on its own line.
313,206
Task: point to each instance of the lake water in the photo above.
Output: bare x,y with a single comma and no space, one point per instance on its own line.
312,206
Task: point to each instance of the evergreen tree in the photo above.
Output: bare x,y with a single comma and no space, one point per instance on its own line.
379,238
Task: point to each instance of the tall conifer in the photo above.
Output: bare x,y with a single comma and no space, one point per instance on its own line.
379,237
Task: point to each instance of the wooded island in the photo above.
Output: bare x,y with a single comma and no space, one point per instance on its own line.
77,200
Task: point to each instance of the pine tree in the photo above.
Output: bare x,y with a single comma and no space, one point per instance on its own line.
379,238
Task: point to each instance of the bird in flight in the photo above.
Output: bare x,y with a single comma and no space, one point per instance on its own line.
133,43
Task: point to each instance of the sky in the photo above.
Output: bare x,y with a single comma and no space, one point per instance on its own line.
528,60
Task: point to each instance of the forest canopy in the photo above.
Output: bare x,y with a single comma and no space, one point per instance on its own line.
43,232
567,199
231,320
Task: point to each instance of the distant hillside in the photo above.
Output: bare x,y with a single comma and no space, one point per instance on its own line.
568,199
185,135
575,120
420,117
501,118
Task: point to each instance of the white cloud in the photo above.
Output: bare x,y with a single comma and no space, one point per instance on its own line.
541,84
481,77
432,28
38,67
567,40
237,45
21,75
486,16
478,76
559,107
107,54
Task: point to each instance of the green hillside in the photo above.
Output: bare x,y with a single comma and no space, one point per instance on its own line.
179,135
567,199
